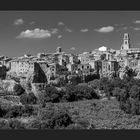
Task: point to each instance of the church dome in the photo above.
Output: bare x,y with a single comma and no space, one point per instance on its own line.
103,48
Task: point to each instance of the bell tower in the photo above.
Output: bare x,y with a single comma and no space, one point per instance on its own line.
126,42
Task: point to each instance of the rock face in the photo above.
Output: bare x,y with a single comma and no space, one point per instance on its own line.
37,87
7,85
38,76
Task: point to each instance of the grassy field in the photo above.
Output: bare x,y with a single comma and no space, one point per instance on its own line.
101,114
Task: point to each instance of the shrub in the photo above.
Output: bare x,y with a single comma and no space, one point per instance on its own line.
4,124
70,94
46,113
24,99
28,98
32,98
95,84
135,92
60,119
79,92
37,124
13,112
55,117
28,110
18,89
16,124
2,112
17,111
50,94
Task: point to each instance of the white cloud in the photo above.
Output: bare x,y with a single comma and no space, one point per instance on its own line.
72,48
105,29
119,24
18,21
129,27
54,31
84,30
136,22
59,36
136,29
61,23
36,33
68,30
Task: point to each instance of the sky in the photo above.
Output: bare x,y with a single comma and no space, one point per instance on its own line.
31,32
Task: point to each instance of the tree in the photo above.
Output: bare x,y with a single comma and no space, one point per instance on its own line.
32,99
135,92
18,89
130,73
28,98
50,94
95,84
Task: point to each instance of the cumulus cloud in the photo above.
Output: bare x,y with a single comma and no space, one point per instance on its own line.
18,21
54,31
106,29
36,33
129,27
59,36
136,29
84,30
72,48
68,30
119,25
136,22
60,23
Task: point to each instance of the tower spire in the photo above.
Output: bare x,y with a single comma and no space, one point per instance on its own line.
126,42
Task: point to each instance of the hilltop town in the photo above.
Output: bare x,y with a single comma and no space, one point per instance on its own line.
49,67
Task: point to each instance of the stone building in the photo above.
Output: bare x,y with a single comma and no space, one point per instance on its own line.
4,60
84,69
73,59
22,67
55,70
72,68
108,68
84,58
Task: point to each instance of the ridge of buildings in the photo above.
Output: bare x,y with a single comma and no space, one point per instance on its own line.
103,61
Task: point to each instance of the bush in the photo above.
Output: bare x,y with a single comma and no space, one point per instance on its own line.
50,94
47,112
55,117
135,92
60,119
13,112
28,98
16,124
17,111
95,84
37,124
28,110
24,99
18,89
70,94
4,124
79,92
